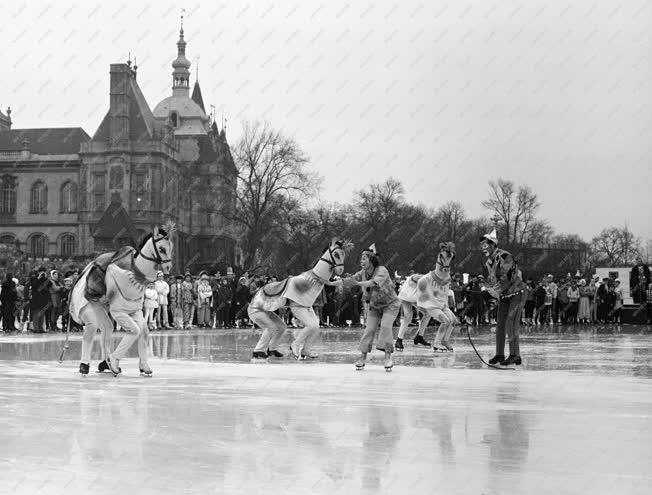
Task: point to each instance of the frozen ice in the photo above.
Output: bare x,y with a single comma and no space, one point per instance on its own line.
576,418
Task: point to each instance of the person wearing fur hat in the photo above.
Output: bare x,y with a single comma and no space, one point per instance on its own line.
505,283
432,298
383,305
163,290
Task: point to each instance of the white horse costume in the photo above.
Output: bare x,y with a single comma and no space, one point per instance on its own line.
408,297
126,276
432,298
299,294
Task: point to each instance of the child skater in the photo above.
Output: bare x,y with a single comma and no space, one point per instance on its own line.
383,305
432,297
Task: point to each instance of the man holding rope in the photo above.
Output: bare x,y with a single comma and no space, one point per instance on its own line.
505,283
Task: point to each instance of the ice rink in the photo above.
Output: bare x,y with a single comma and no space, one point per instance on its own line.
575,419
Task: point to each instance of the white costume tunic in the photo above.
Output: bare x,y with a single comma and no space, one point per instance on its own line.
408,291
431,294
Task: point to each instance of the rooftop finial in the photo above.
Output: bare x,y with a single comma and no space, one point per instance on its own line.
197,69
183,11
129,60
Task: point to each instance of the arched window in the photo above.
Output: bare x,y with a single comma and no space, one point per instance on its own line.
38,198
8,195
8,239
68,245
38,245
69,197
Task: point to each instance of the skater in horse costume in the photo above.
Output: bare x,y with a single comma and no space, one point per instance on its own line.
505,283
299,294
116,282
432,298
408,297
383,303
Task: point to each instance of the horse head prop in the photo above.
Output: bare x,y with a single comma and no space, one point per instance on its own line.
444,259
332,258
157,248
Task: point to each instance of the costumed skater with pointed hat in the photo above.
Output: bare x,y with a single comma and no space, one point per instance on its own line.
505,283
383,303
432,298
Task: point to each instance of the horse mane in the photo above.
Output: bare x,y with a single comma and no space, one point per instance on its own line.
144,241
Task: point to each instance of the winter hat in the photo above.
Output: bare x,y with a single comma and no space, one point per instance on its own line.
491,237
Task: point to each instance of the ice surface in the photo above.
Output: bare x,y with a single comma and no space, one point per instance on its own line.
575,419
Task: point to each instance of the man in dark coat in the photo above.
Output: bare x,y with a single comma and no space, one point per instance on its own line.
639,280
8,297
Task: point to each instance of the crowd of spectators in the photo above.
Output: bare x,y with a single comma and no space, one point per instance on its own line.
39,302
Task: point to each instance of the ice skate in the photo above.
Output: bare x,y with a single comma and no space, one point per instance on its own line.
419,340
145,370
399,345
84,369
297,351
113,365
439,348
309,355
102,367
388,364
511,359
359,364
496,359
448,347
259,356
274,353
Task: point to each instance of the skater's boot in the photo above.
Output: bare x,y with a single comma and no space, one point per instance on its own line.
309,355
274,353
359,364
114,365
511,359
439,348
145,370
296,350
496,359
517,360
399,344
84,368
419,340
102,367
388,364
448,346
260,355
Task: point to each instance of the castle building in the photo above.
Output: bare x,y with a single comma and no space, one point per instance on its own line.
65,194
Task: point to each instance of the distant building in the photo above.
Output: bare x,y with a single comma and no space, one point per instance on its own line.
64,193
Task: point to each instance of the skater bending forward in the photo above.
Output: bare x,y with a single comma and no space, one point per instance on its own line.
432,298
408,299
383,304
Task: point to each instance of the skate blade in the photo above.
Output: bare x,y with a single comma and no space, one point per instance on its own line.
388,370
359,368
146,375
259,361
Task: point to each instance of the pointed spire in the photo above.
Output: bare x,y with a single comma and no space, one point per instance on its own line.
197,97
181,74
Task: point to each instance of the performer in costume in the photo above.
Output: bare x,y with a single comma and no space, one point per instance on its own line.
505,283
126,281
299,294
407,295
383,305
432,298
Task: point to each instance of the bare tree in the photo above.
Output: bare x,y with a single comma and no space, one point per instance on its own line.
615,246
379,209
272,170
516,207
451,216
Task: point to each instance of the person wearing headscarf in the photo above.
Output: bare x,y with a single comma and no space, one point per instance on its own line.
382,306
8,298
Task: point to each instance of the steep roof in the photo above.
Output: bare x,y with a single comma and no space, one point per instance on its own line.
196,96
115,223
45,141
141,119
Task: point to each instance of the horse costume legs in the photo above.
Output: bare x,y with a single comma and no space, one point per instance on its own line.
446,318
273,328
134,324
309,333
94,316
406,312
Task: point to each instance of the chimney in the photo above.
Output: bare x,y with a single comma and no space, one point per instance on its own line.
25,151
119,103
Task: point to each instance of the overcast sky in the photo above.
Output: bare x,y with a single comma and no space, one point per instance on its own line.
443,95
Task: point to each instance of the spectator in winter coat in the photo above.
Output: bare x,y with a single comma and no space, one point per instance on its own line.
65,295
8,298
163,290
223,304
189,301
20,301
55,286
204,300
41,300
176,302
241,300
601,300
